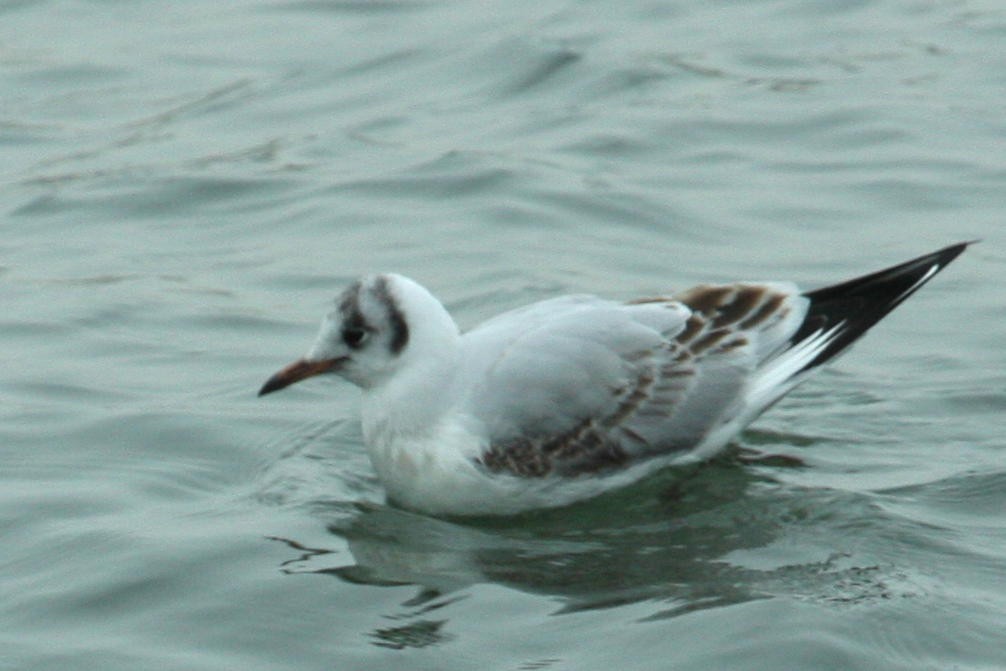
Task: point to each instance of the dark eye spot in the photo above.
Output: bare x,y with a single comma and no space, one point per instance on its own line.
354,336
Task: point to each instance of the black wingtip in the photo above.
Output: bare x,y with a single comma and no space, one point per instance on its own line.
857,304
908,273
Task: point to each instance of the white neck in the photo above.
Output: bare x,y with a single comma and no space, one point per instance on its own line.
411,403
413,397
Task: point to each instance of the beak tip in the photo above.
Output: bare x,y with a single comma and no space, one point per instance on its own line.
275,383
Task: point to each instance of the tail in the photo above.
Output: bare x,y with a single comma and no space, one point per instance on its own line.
838,315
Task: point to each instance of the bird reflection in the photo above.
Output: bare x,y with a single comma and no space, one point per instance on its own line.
714,534
665,538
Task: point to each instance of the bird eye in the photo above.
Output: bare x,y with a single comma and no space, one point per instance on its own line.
354,337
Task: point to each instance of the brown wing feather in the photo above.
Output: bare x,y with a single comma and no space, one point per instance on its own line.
655,413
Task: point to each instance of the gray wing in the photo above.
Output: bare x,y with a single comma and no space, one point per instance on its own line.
580,385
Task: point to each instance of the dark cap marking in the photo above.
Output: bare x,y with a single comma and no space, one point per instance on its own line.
353,319
349,310
399,327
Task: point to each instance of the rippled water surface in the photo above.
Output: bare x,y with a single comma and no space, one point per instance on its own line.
187,184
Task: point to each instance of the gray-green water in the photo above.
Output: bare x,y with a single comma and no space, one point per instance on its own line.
187,184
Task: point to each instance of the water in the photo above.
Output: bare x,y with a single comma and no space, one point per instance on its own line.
186,185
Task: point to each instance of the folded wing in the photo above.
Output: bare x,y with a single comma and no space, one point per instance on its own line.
581,385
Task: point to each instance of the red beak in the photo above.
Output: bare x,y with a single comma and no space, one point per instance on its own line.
297,371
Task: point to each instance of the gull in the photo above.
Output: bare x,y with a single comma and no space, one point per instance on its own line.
569,397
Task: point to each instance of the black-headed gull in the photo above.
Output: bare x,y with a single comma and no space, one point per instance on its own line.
569,397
